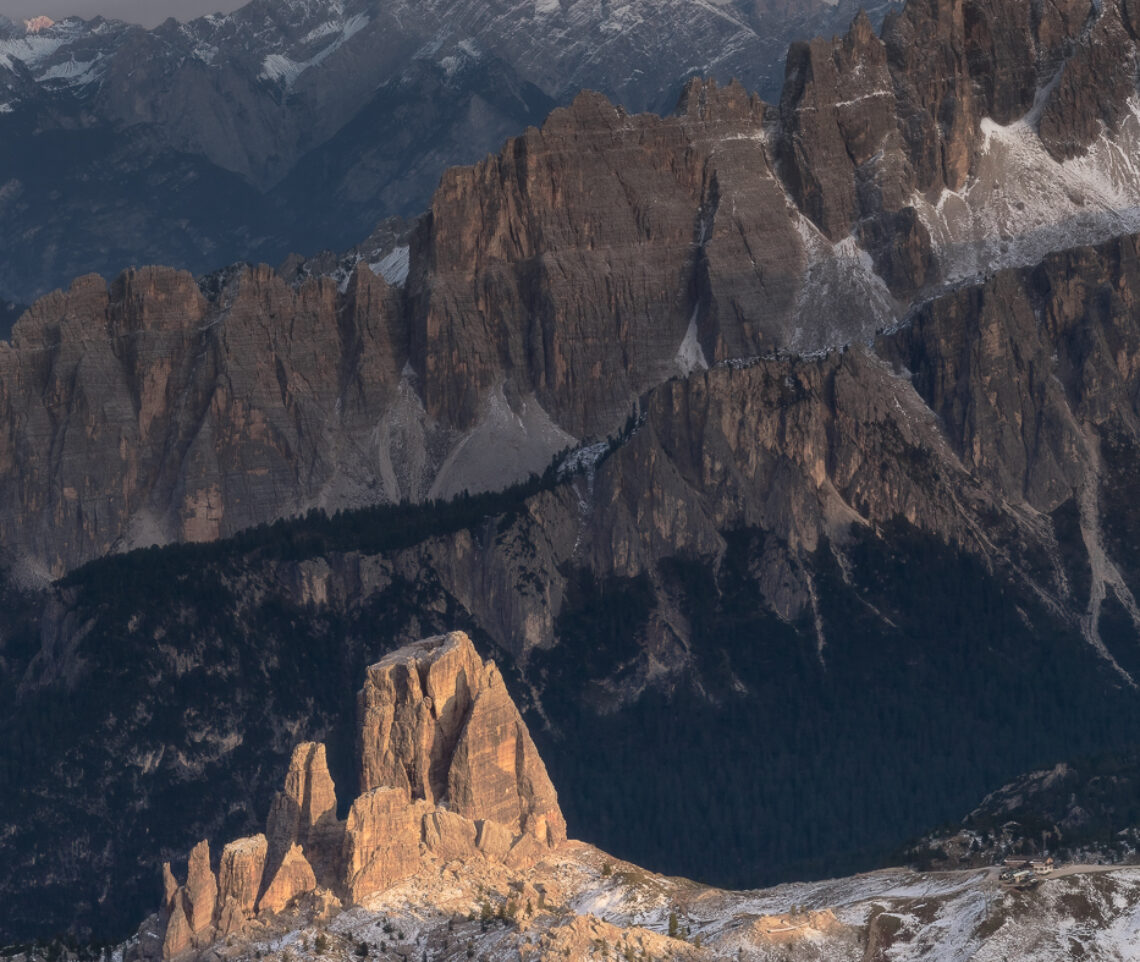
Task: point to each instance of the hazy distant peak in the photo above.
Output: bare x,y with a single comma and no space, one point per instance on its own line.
36,24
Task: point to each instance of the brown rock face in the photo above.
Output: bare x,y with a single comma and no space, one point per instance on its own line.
1095,83
840,143
191,418
239,880
496,773
866,121
516,246
201,890
449,836
973,422
437,729
974,356
293,877
305,814
381,841
190,924
411,712
169,888
900,246
179,938
493,840
435,719
957,61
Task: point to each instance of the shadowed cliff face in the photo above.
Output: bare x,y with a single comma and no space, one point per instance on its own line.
159,402
994,409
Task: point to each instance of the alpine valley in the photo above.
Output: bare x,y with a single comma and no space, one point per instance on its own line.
784,456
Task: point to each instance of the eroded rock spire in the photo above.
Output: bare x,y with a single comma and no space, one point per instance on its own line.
448,771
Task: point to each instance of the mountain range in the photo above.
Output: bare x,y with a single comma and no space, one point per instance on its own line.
821,421
295,125
549,287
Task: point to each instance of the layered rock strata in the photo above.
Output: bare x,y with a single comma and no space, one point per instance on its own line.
976,422
553,284
448,771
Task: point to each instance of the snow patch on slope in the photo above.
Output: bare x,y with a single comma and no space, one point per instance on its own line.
1021,204
507,445
690,356
74,73
279,68
841,298
393,266
205,52
30,50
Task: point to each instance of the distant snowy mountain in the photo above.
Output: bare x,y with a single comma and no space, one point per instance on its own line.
294,123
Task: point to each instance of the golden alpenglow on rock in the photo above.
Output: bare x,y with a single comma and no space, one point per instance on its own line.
305,814
438,720
294,876
191,909
239,879
448,771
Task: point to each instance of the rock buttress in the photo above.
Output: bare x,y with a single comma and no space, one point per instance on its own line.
448,771
437,720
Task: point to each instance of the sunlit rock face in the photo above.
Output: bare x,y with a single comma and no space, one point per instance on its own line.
448,771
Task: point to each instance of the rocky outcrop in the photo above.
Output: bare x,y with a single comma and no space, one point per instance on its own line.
866,122
293,877
239,881
841,143
438,723
191,907
382,840
448,771
450,836
496,773
304,815
412,709
1095,83
160,398
549,913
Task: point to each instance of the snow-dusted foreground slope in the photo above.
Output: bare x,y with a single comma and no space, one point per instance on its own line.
579,904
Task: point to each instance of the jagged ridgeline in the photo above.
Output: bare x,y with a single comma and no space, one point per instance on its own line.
297,124
866,551
549,287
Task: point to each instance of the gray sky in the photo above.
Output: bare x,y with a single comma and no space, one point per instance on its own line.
147,12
